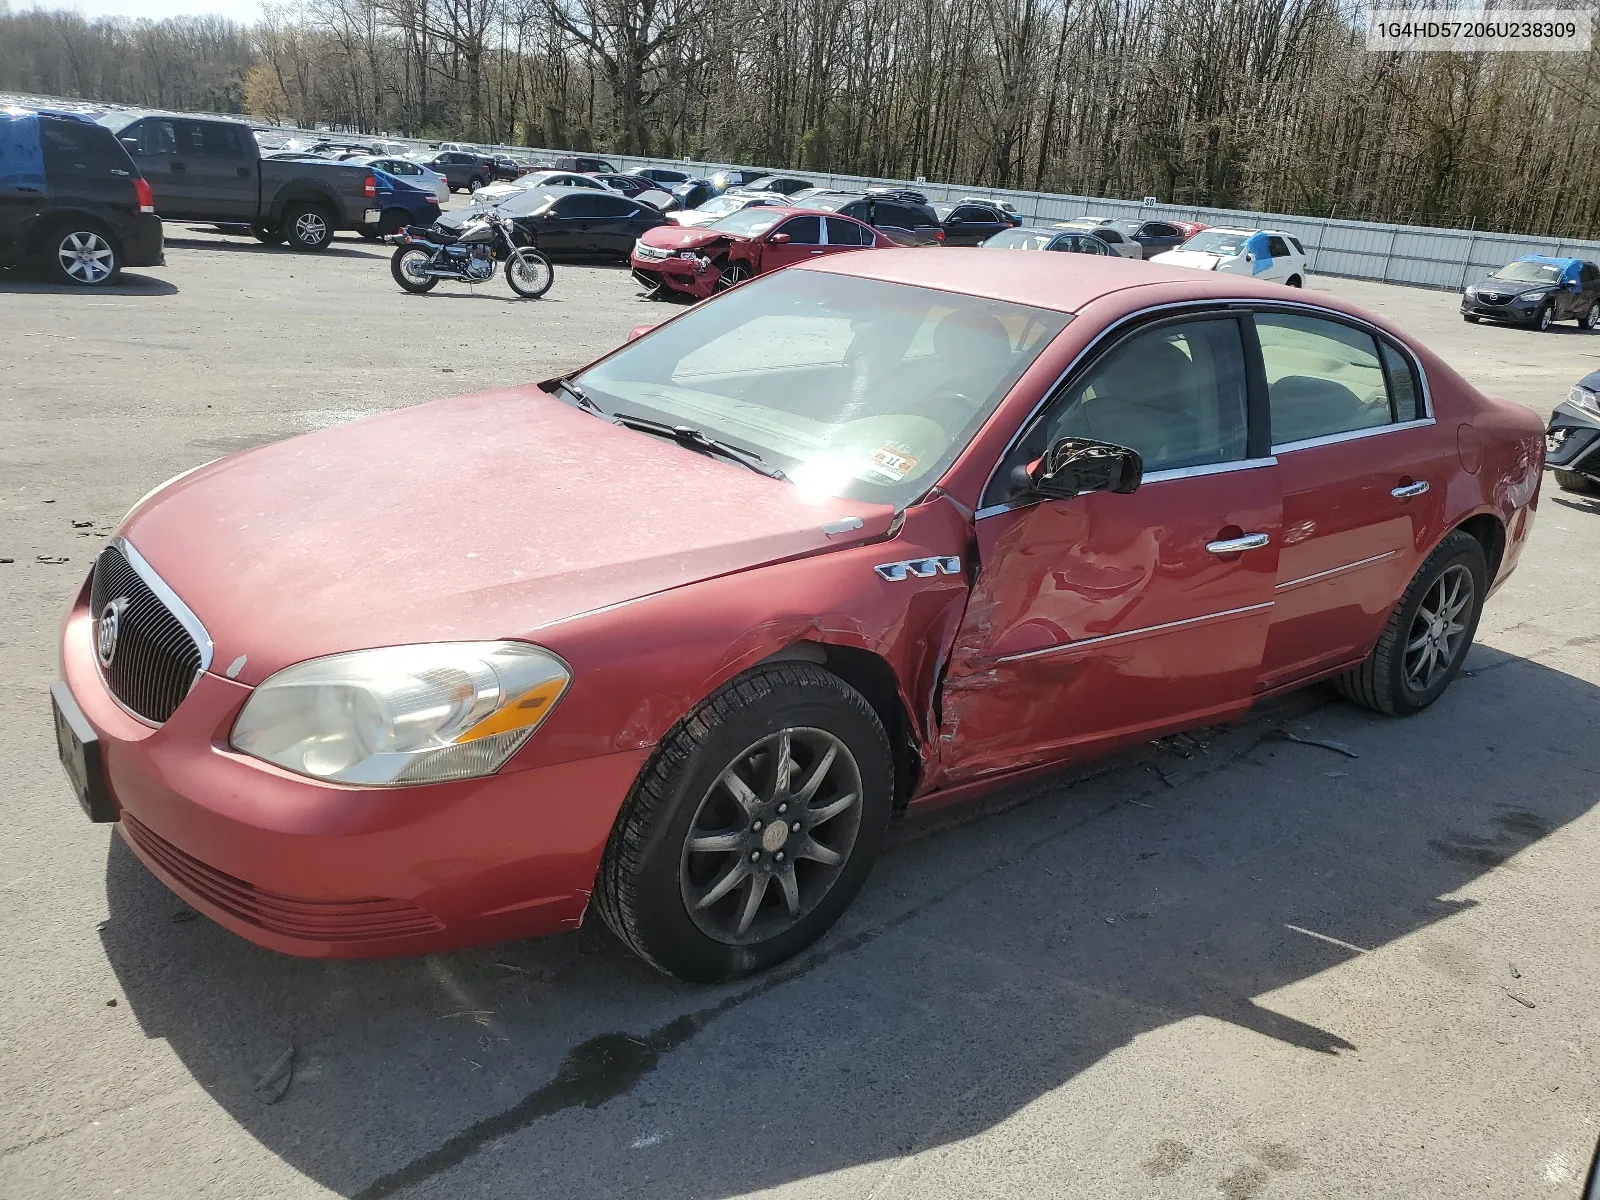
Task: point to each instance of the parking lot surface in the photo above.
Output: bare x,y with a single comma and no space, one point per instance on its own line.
1231,965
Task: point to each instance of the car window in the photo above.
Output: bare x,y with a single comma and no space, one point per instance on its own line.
1160,229
970,212
582,206
1404,386
820,374
1079,244
896,215
1107,234
1323,377
1295,242
77,146
615,206
1277,247
1175,393
1589,274
210,139
846,233
803,231
150,137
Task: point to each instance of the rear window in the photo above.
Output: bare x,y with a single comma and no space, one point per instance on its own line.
73,146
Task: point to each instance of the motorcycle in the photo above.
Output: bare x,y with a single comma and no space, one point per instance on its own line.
422,257
1572,442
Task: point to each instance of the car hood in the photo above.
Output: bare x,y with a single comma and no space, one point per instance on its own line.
1512,287
480,517
684,237
1192,258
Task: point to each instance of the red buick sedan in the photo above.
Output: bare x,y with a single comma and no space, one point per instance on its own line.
703,259
673,637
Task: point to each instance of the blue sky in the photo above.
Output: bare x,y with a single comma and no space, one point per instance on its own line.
239,10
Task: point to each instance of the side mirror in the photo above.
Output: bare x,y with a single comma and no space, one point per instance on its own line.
1076,465
779,239
1249,258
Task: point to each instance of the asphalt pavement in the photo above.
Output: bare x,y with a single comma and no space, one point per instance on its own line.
1231,964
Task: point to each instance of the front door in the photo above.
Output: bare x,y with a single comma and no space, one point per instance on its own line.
221,168
1108,618
805,242
1363,487
153,145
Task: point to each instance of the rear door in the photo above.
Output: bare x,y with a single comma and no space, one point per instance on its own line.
1283,259
82,164
1157,237
1107,618
152,143
616,225
1364,476
841,233
222,171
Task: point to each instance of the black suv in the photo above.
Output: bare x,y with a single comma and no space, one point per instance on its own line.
462,170
904,217
71,200
581,164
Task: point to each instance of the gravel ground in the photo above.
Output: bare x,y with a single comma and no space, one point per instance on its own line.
1234,966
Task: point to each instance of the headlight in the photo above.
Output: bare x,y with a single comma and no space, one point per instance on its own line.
1583,398
1470,293
1533,297
402,714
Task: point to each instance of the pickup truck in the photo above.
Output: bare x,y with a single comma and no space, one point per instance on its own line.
211,170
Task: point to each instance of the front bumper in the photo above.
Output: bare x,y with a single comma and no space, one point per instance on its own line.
337,872
1511,312
143,245
1572,441
676,274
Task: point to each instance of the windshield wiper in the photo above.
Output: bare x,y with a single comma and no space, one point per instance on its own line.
581,398
697,439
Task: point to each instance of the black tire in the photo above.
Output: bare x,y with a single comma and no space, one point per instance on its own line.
80,253
529,273
475,183
308,227
368,233
649,870
397,269
1469,318
1591,318
267,235
1574,481
1546,317
732,275
1384,683
1293,281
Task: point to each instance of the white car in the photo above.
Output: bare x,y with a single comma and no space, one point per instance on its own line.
497,192
1261,253
724,205
413,173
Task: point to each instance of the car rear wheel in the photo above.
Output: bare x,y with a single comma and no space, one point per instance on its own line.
1293,281
1547,317
1575,481
752,828
82,254
307,227
1428,634
474,184
1591,319
732,275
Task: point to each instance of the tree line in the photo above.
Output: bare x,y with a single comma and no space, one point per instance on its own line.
1260,104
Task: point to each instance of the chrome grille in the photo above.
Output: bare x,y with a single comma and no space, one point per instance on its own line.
157,653
1494,297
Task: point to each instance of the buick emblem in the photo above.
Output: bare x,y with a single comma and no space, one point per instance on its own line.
105,634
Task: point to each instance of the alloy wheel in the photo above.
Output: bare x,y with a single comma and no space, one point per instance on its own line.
733,275
771,836
1591,319
1438,628
86,256
1546,317
310,228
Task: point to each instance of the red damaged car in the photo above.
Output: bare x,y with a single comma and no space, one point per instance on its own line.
710,258
867,535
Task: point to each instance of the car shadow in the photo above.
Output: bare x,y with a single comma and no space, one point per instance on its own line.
991,958
1575,501
16,282
244,244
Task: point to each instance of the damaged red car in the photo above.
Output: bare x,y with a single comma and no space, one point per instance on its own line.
705,259
861,537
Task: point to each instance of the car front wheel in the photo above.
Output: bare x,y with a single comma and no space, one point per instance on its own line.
1547,317
732,275
752,828
1428,634
1574,481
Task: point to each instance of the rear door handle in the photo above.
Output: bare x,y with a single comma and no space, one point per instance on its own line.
1407,491
1249,541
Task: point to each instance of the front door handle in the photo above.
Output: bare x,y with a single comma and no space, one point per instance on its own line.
179,168
1249,541
242,172
1407,491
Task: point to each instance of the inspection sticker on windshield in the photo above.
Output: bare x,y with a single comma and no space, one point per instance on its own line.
894,460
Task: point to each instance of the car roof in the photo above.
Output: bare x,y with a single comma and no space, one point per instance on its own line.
1550,262
1063,282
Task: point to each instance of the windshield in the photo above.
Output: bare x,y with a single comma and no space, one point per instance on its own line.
1021,239
1529,272
525,203
721,206
852,387
748,222
1225,242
